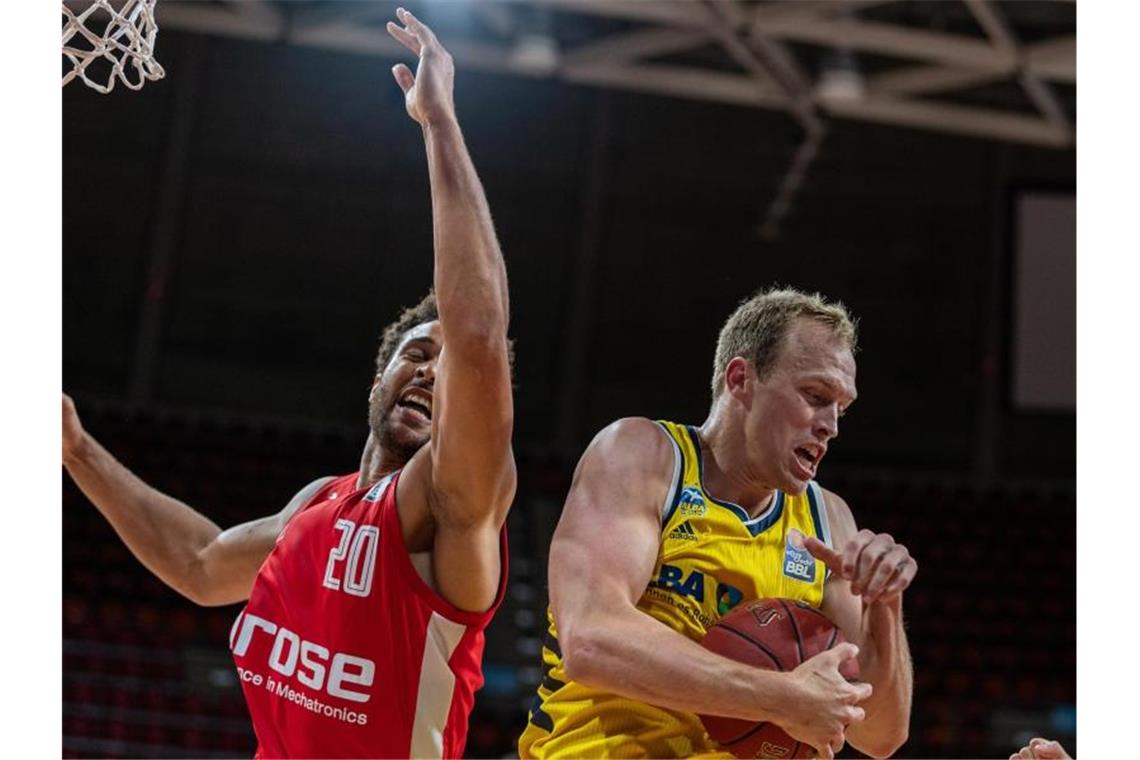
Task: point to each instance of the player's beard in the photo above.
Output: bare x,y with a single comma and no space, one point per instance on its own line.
394,439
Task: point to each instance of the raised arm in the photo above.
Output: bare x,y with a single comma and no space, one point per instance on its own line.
182,547
601,559
869,572
471,478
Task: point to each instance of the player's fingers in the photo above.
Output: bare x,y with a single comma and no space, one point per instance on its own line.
871,548
403,76
887,567
854,714
821,551
861,691
421,30
1047,749
852,551
901,579
839,654
405,38
824,750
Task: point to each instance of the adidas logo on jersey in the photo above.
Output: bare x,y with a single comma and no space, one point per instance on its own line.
683,532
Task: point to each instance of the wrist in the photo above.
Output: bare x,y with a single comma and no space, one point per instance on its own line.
77,451
442,126
888,610
777,695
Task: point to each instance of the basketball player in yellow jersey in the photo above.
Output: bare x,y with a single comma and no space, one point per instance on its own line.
667,527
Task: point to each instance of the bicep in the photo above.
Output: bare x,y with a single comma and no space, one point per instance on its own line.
607,541
472,464
230,562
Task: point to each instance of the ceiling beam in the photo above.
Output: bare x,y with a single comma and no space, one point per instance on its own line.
655,11
1054,59
639,44
786,9
210,19
927,80
892,40
680,82
674,81
944,117
1043,97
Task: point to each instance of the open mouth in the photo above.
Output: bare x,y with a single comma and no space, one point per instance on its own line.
808,456
418,401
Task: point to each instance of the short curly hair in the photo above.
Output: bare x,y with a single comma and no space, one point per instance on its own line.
757,328
424,311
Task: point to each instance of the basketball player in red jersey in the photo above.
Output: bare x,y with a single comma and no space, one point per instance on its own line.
369,593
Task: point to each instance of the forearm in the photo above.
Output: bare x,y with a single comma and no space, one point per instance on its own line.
889,670
164,534
470,277
636,656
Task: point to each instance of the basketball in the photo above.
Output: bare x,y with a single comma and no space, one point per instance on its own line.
776,634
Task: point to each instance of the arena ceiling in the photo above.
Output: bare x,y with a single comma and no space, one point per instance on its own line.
1000,70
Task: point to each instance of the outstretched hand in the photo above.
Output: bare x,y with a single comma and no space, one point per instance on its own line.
428,94
878,568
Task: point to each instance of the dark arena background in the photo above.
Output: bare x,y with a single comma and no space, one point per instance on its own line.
648,165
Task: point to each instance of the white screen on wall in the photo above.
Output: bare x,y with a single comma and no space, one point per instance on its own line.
1044,350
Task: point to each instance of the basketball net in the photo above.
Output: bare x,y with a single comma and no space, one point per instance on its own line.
123,38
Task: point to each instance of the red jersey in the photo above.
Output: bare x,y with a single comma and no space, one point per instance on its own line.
343,650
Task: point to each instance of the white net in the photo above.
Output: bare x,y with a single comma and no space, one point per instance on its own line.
105,43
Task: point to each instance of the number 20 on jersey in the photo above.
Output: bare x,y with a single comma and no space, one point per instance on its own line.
352,561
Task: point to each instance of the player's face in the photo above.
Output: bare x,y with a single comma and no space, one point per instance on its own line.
796,409
400,405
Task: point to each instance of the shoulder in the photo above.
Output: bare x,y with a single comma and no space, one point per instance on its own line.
628,466
632,442
839,516
305,495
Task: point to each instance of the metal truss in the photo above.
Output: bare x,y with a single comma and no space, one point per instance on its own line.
921,78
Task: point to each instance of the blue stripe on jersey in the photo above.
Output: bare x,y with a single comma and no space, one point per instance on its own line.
762,524
756,525
815,507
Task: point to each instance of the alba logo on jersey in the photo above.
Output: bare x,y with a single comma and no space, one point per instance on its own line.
691,502
309,662
673,578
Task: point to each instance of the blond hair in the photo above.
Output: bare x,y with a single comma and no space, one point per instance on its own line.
756,330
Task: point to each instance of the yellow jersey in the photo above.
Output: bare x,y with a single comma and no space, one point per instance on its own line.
713,556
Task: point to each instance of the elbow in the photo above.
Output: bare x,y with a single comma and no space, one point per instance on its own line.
582,658
886,746
195,586
197,592
575,657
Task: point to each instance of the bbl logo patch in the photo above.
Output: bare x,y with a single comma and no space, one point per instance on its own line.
692,503
798,562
